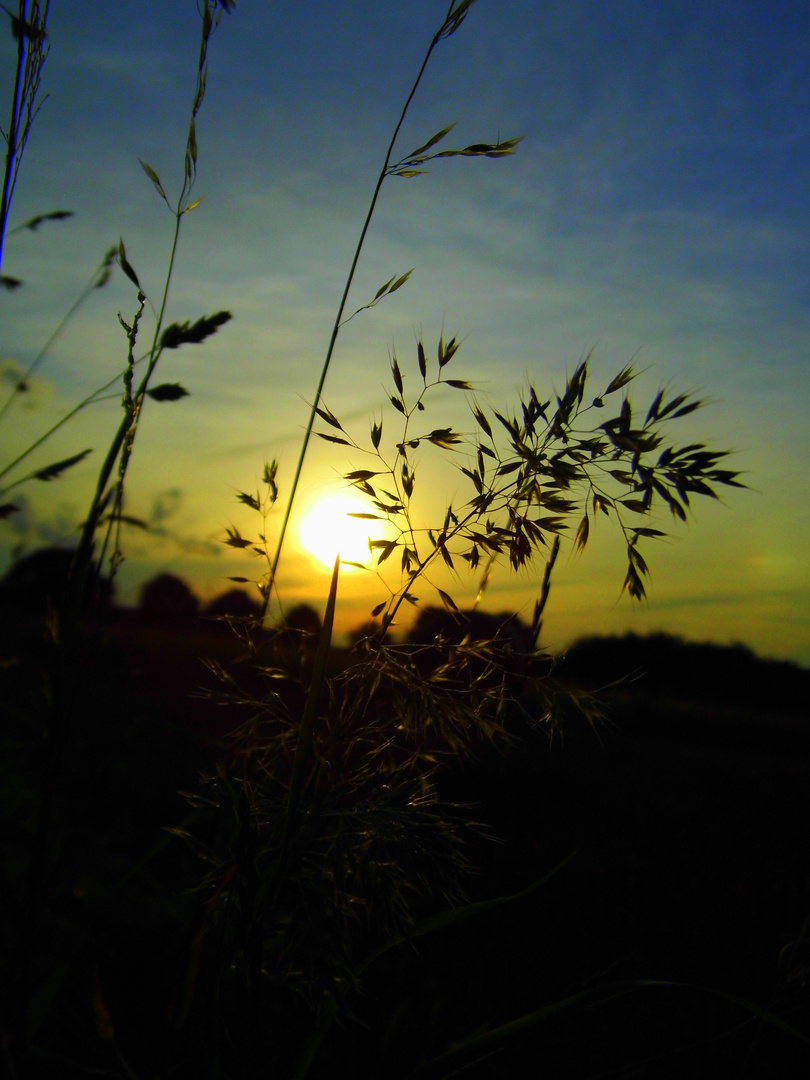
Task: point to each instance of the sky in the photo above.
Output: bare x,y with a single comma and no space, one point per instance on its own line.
656,212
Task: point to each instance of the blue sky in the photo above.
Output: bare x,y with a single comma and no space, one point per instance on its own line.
657,209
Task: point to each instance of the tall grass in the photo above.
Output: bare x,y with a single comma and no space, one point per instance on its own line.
29,29
101,528
326,841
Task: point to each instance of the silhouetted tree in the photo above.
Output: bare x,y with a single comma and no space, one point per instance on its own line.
295,640
453,626
370,629
305,620
168,599
669,666
36,580
450,638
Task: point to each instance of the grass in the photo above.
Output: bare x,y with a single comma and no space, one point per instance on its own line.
331,843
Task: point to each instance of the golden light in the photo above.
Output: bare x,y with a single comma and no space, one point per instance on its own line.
327,529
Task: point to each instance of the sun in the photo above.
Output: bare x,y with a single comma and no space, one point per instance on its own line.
327,529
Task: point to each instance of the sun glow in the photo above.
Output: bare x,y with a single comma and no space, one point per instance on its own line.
327,529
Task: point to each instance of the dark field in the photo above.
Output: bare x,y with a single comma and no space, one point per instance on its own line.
688,814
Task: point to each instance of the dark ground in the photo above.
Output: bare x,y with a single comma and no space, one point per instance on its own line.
688,815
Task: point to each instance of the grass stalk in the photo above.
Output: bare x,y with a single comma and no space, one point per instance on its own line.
311,709
74,607
99,278
440,33
29,28
10,162
91,399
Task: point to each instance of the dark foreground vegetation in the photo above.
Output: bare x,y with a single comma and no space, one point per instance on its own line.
683,819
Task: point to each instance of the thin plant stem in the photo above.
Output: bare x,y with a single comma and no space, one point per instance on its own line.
31,56
88,289
11,138
126,432
91,399
68,673
338,318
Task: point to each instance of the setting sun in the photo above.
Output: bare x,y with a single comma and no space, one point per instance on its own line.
329,528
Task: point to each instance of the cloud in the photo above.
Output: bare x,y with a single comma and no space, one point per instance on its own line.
32,528
169,506
166,505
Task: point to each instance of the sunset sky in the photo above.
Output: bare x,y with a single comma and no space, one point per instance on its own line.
657,212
